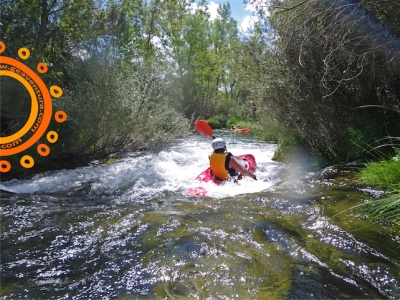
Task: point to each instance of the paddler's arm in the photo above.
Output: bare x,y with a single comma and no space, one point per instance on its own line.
233,163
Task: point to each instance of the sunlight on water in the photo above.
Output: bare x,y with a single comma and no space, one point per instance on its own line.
128,230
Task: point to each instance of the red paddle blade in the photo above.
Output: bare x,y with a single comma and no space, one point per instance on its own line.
204,128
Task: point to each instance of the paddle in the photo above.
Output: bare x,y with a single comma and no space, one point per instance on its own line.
204,128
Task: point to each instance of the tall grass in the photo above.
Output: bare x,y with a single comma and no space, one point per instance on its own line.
386,210
384,174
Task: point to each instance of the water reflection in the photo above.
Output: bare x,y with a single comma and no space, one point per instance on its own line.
129,230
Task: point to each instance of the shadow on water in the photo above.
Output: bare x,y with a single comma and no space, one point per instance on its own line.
130,231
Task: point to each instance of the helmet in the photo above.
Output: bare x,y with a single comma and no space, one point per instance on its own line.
218,143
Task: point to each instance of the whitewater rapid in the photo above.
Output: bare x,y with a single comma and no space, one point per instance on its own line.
147,174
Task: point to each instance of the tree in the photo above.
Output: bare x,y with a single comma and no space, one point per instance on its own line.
104,57
337,56
225,46
47,27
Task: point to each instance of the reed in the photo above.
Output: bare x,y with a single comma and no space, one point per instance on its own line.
386,210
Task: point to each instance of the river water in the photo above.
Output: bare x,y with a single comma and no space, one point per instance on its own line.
129,230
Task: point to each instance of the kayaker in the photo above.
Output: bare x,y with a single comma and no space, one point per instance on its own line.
224,165
232,128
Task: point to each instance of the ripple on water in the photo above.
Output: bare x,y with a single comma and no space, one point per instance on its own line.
128,230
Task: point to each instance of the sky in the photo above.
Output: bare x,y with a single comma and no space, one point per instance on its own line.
240,12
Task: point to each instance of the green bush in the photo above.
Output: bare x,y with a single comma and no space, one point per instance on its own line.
268,129
122,109
233,120
110,110
214,123
287,143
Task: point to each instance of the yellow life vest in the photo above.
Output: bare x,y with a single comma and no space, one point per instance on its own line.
217,164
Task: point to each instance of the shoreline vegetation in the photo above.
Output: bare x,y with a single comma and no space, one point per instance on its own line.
134,78
384,174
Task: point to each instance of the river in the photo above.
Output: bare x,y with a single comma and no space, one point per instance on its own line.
129,230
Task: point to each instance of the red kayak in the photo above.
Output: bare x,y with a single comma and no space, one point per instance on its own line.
244,130
248,161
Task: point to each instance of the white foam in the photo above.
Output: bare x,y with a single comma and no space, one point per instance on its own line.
173,169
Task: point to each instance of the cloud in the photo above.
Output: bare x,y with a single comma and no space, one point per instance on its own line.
212,9
248,23
250,7
257,6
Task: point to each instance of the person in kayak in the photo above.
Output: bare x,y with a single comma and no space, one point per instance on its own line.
224,165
